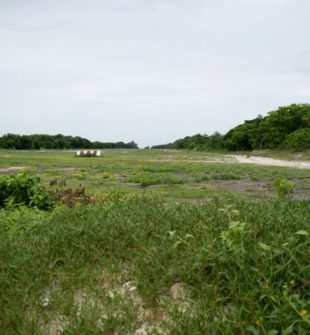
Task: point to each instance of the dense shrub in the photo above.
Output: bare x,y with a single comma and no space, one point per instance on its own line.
299,140
286,127
283,187
25,189
273,130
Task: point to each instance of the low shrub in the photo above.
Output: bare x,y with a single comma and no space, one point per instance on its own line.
283,187
25,189
299,140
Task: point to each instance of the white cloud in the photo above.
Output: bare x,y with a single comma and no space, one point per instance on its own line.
151,71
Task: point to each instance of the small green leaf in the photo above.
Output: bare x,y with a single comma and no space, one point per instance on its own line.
235,212
273,332
302,232
171,233
176,244
234,224
288,330
224,235
264,246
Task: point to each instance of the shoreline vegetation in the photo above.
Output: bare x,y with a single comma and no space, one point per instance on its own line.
286,128
57,142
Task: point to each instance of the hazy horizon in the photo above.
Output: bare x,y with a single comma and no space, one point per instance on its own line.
151,72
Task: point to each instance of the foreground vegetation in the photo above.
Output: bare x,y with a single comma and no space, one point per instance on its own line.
157,245
243,268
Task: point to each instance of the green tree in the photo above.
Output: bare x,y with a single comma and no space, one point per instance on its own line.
299,140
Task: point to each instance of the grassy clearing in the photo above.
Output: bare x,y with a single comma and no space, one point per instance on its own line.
202,256
154,170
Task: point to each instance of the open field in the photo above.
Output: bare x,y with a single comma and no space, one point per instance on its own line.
180,243
177,175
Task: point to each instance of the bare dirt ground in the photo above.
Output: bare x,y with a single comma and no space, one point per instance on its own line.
263,188
270,161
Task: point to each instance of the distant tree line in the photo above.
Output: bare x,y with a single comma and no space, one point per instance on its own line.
197,142
38,141
285,128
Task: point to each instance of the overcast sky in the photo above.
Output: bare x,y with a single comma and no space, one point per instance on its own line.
146,70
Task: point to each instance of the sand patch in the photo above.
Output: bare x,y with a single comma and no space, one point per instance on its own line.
12,169
270,161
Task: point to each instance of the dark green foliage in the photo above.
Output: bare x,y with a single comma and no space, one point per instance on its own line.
287,127
247,136
163,146
24,189
299,139
196,142
191,142
284,121
273,131
38,141
17,188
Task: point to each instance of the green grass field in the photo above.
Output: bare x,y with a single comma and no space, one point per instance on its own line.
175,175
183,243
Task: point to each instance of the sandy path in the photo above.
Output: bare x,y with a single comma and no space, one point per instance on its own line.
270,161
12,169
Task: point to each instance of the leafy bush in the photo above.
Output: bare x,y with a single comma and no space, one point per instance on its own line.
41,198
233,235
286,127
24,189
16,188
299,140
